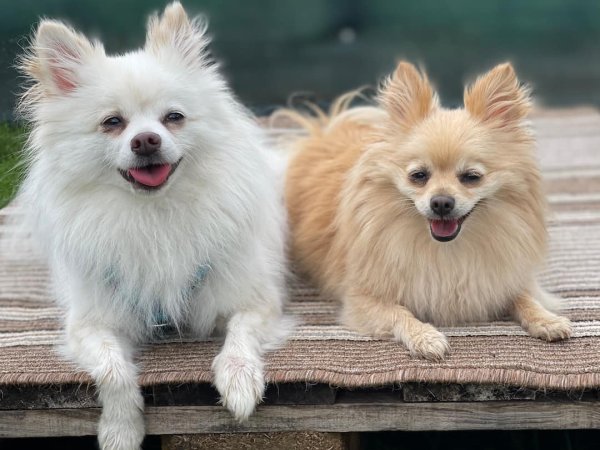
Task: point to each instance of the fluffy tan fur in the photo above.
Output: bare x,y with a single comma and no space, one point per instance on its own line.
360,224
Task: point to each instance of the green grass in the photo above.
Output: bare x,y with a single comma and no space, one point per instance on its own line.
11,169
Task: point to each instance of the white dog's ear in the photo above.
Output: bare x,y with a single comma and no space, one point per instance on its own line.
174,34
497,98
56,56
408,96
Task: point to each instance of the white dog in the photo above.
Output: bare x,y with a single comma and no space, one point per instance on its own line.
156,203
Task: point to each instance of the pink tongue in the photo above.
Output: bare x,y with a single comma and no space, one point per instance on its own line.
151,175
444,228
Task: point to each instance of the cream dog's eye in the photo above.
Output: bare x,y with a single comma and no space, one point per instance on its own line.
419,177
470,177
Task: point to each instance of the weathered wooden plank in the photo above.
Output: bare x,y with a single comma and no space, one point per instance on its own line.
205,394
47,397
48,422
300,394
296,440
193,394
190,394
341,417
430,392
378,417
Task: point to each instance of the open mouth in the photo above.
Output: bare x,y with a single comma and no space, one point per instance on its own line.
445,230
151,177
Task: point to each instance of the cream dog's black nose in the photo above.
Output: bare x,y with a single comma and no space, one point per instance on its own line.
442,204
145,144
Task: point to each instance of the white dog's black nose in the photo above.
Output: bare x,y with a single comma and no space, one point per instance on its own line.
145,144
442,204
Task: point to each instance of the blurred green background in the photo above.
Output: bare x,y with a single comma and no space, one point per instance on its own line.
273,48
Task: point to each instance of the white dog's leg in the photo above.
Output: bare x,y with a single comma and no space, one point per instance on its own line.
108,358
239,368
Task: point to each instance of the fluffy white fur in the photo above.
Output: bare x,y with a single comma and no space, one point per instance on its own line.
120,256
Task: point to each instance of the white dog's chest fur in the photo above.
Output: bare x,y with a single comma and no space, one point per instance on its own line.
151,261
156,302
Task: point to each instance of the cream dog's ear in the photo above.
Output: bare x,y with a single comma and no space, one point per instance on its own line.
56,56
174,35
408,96
497,98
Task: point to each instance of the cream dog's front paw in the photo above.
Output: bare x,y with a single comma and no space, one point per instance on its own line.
551,327
428,343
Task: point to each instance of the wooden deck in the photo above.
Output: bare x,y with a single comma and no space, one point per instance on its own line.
176,412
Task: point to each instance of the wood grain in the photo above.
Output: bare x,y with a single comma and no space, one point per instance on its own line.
304,440
344,417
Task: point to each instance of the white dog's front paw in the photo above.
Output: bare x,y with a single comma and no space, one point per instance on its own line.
240,382
121,432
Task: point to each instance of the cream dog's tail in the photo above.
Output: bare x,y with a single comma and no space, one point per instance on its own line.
321,122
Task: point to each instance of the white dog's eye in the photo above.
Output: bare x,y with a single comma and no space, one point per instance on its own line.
174,117
113,121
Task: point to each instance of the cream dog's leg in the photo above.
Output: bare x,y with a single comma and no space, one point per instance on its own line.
537,320
376,317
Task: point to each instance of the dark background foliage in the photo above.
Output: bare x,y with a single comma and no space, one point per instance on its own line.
273,48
